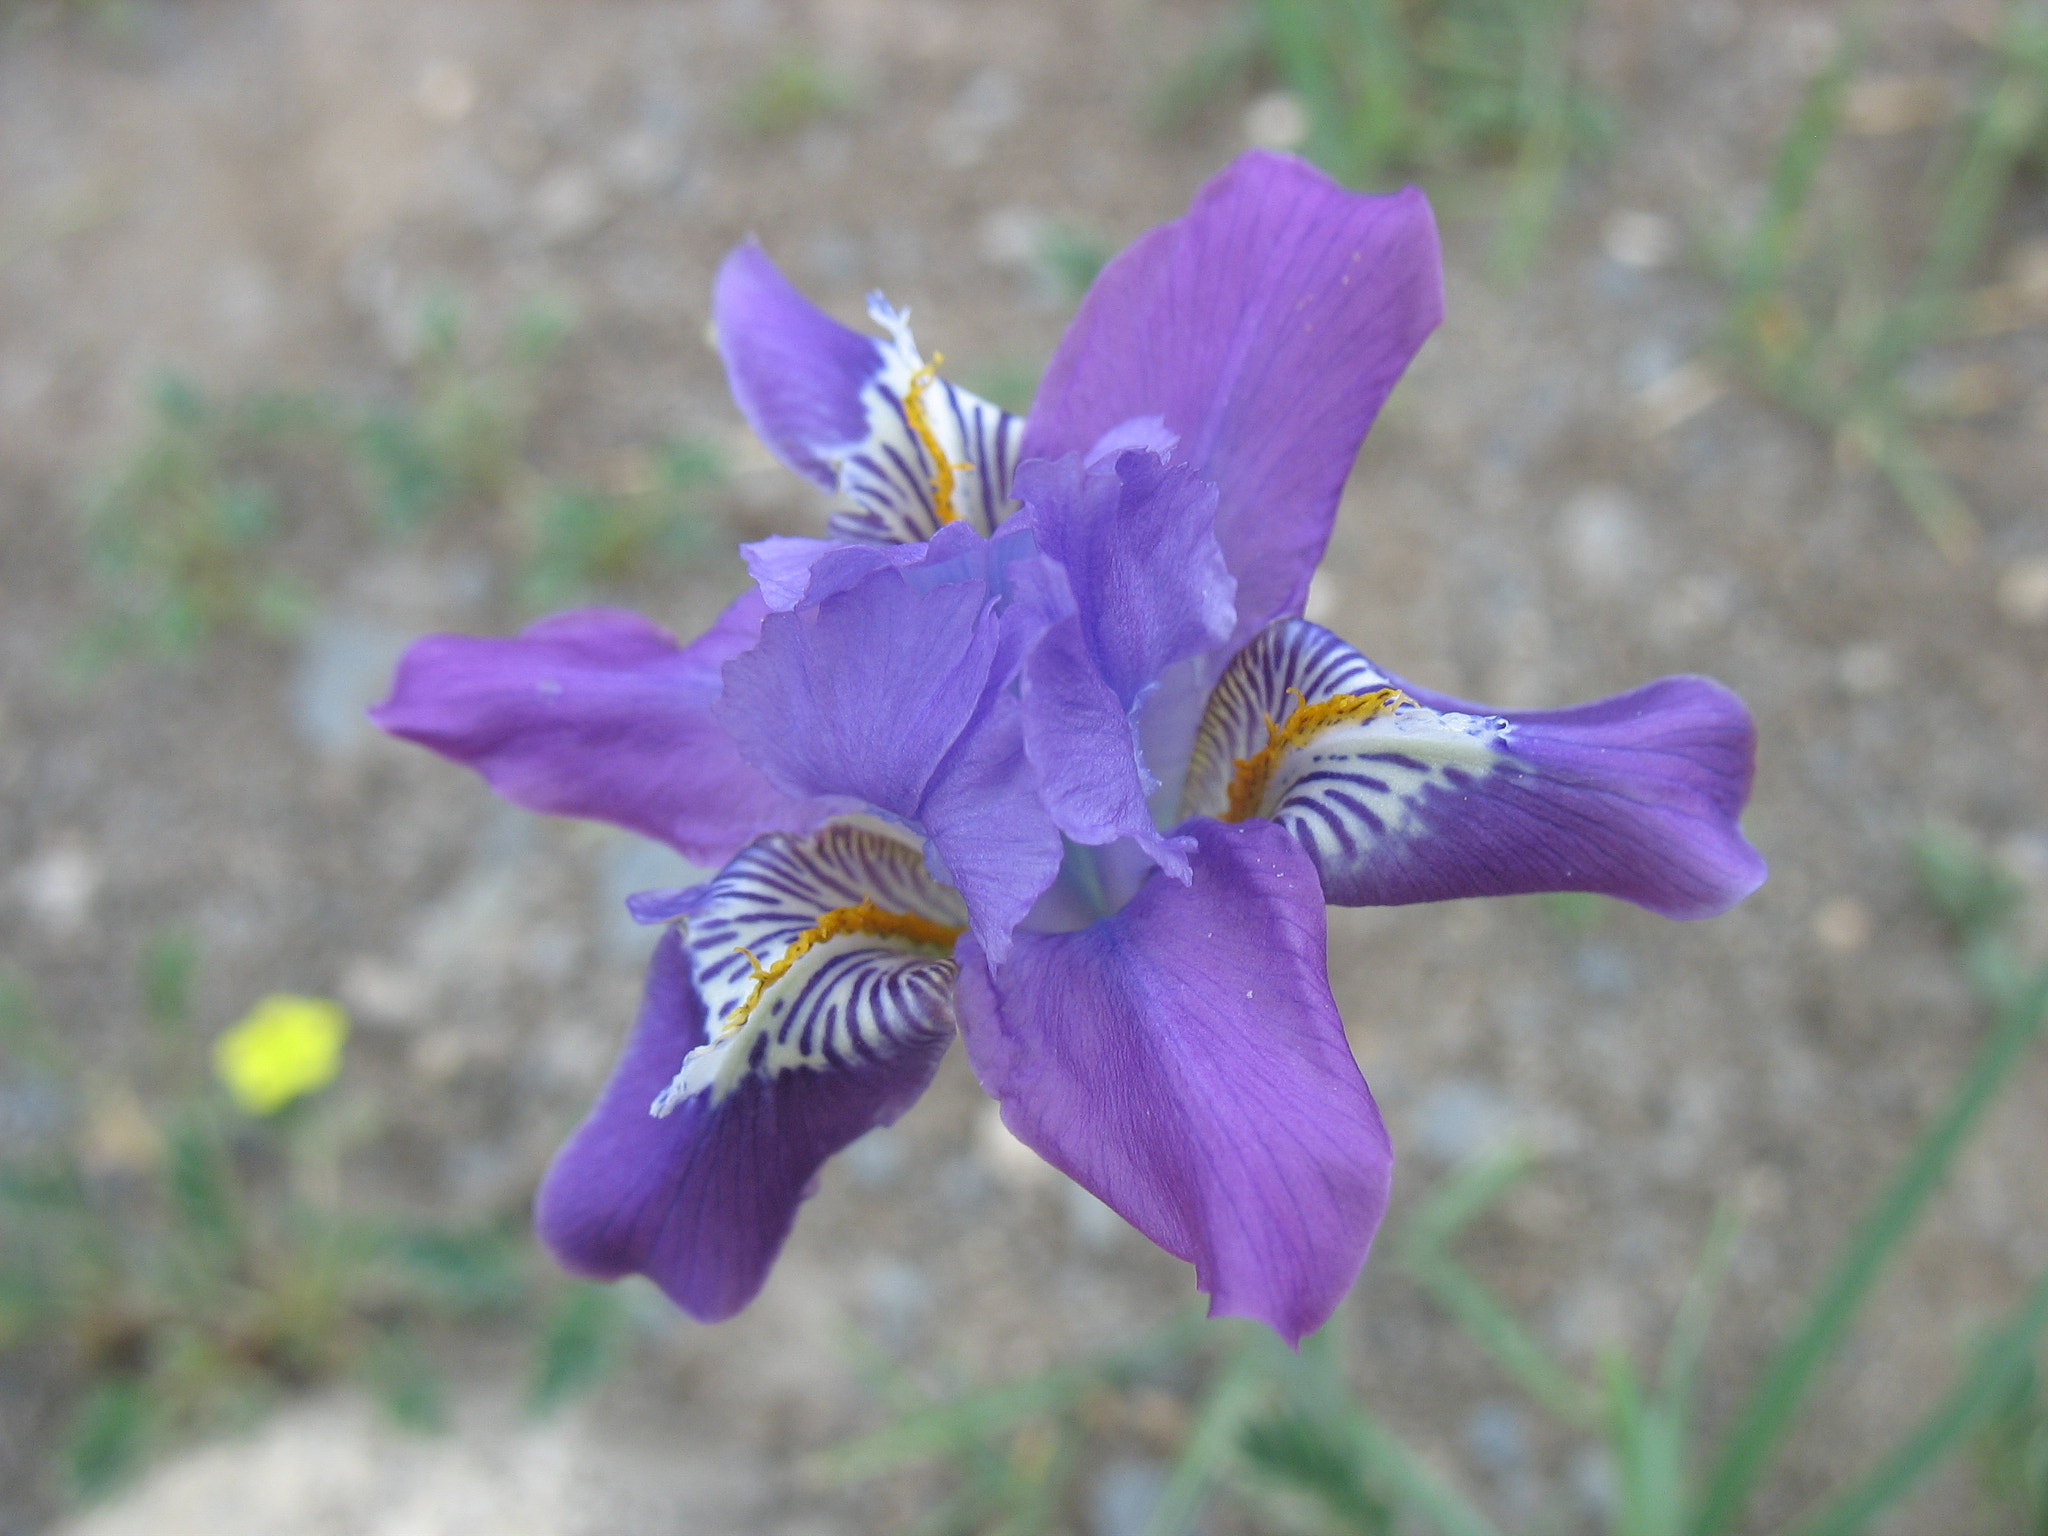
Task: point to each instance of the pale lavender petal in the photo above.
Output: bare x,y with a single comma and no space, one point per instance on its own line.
1638,796
888,690
987,826
865,693
1080,738
1137,542
781,567
701,1200
1149,433
598,713
795,372
1265,328
1183,1059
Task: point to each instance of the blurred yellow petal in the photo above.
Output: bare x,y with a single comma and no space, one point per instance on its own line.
287,1047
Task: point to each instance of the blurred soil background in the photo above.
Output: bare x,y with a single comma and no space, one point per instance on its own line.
328,323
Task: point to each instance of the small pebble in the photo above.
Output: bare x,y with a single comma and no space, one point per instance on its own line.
1325,598
1842,926
1498,1434
446,91
1639,240
876,1158
1276,120
58,887
1011,236
899,1296
1593,1482
567,203
1603,970
345,665
1599,533
1881,105
1123,1497
2023,593
1460,1120
1867,670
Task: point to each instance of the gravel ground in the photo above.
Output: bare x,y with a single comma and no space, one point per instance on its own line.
265,191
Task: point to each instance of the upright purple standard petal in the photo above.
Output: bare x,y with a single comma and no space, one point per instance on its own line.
1183,1059
701,1200
1266,328
796,373
598,713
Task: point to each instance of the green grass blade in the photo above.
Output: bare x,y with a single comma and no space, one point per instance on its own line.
1649,1454
2001,1361
956,1424
1760,1429
946,1428
1240,1389
1800,154
1410,1479
1470,1193
1513,1347
1545,102
1920,483
2006,124
1679,1369
1424,1252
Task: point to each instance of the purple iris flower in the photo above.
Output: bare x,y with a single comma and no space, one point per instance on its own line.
1035,748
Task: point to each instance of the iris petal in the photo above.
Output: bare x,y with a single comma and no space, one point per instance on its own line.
1425,798
701,1200
1265,328
858,414
598,713
1135,542
1184,1060
778,888
891,690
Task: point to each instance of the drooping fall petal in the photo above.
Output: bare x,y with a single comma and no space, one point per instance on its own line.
1183,1059
601,714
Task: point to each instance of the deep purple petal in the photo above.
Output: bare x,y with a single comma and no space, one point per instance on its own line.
1266,328
598,713
795,372
1183,1059
700,1201
1638,796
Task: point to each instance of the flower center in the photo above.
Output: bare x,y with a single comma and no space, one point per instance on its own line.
943,468
866,918
1251,775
